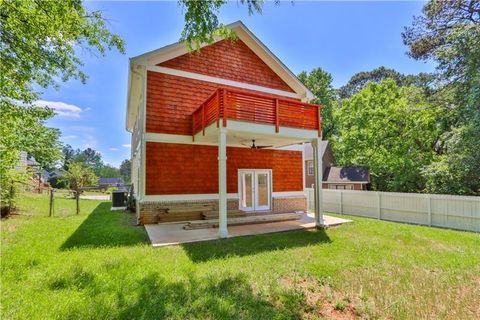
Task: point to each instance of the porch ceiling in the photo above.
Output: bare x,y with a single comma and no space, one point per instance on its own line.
241,134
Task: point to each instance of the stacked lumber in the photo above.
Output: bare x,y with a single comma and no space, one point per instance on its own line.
183,212
265,218
207,215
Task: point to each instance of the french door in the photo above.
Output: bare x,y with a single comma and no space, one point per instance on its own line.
255,189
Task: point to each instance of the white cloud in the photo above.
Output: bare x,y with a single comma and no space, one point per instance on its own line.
87,109
127,145
62,109
113,149
89,141
69,137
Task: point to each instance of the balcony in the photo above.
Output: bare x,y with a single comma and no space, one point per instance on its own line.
241,105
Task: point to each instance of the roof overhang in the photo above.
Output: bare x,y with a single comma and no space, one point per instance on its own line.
135,88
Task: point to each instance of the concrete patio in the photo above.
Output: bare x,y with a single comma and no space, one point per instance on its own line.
165,234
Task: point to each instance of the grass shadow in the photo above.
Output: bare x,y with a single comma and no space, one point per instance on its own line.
105,228
215,297
250,245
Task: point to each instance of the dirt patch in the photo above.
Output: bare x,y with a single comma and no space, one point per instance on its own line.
322,300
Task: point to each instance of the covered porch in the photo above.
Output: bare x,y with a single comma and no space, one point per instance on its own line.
243,118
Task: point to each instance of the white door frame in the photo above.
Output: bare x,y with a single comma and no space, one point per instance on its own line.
255,206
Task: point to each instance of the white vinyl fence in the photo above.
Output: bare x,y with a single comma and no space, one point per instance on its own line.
447,211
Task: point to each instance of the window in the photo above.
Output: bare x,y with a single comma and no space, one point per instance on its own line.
310,169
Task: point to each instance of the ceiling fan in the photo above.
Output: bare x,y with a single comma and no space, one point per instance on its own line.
254,146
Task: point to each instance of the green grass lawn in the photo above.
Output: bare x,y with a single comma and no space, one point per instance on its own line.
98,265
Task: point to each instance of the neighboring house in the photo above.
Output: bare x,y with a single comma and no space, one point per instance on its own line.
347,177
105,183
206,127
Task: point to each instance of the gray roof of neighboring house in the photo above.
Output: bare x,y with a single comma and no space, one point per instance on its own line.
346,174
309,149
110,181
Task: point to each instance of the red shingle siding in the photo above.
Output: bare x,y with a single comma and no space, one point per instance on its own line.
193,169
171,100
232,60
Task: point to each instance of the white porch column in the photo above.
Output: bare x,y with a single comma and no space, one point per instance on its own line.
318,169
222,182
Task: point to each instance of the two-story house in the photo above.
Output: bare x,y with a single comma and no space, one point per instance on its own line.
212,127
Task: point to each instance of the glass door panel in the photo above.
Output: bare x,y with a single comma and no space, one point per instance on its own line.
262,188
246,190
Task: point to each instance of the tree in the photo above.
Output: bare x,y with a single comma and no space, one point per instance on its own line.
79,176
201,20
68,155
90,158
449,33
126,170
38,44
108,171
320,83
359,80
389,129
23,129
39,40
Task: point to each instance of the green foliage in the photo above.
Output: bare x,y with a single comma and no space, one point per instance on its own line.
320,83
201,20
449,33
389,129
22,128
91,159
79,176
108,171
359,80
39,40
126,170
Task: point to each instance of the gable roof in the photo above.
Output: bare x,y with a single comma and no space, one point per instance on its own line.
346,174
136,82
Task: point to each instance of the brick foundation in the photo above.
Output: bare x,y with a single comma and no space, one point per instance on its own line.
289,204
149,212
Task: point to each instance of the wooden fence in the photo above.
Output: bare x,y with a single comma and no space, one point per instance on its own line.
446,211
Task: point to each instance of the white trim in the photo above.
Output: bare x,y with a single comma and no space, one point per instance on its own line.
288,194
186,197
214,196
170,138
202,77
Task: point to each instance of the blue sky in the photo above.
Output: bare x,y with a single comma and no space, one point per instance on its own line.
341,37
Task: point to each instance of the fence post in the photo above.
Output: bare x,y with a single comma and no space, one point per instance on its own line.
341,202
379,203
50,212
429,209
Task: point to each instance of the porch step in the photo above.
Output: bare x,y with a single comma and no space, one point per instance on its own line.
182,212
189,208
213,223
208,215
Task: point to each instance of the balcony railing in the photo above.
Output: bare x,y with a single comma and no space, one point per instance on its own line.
242,105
